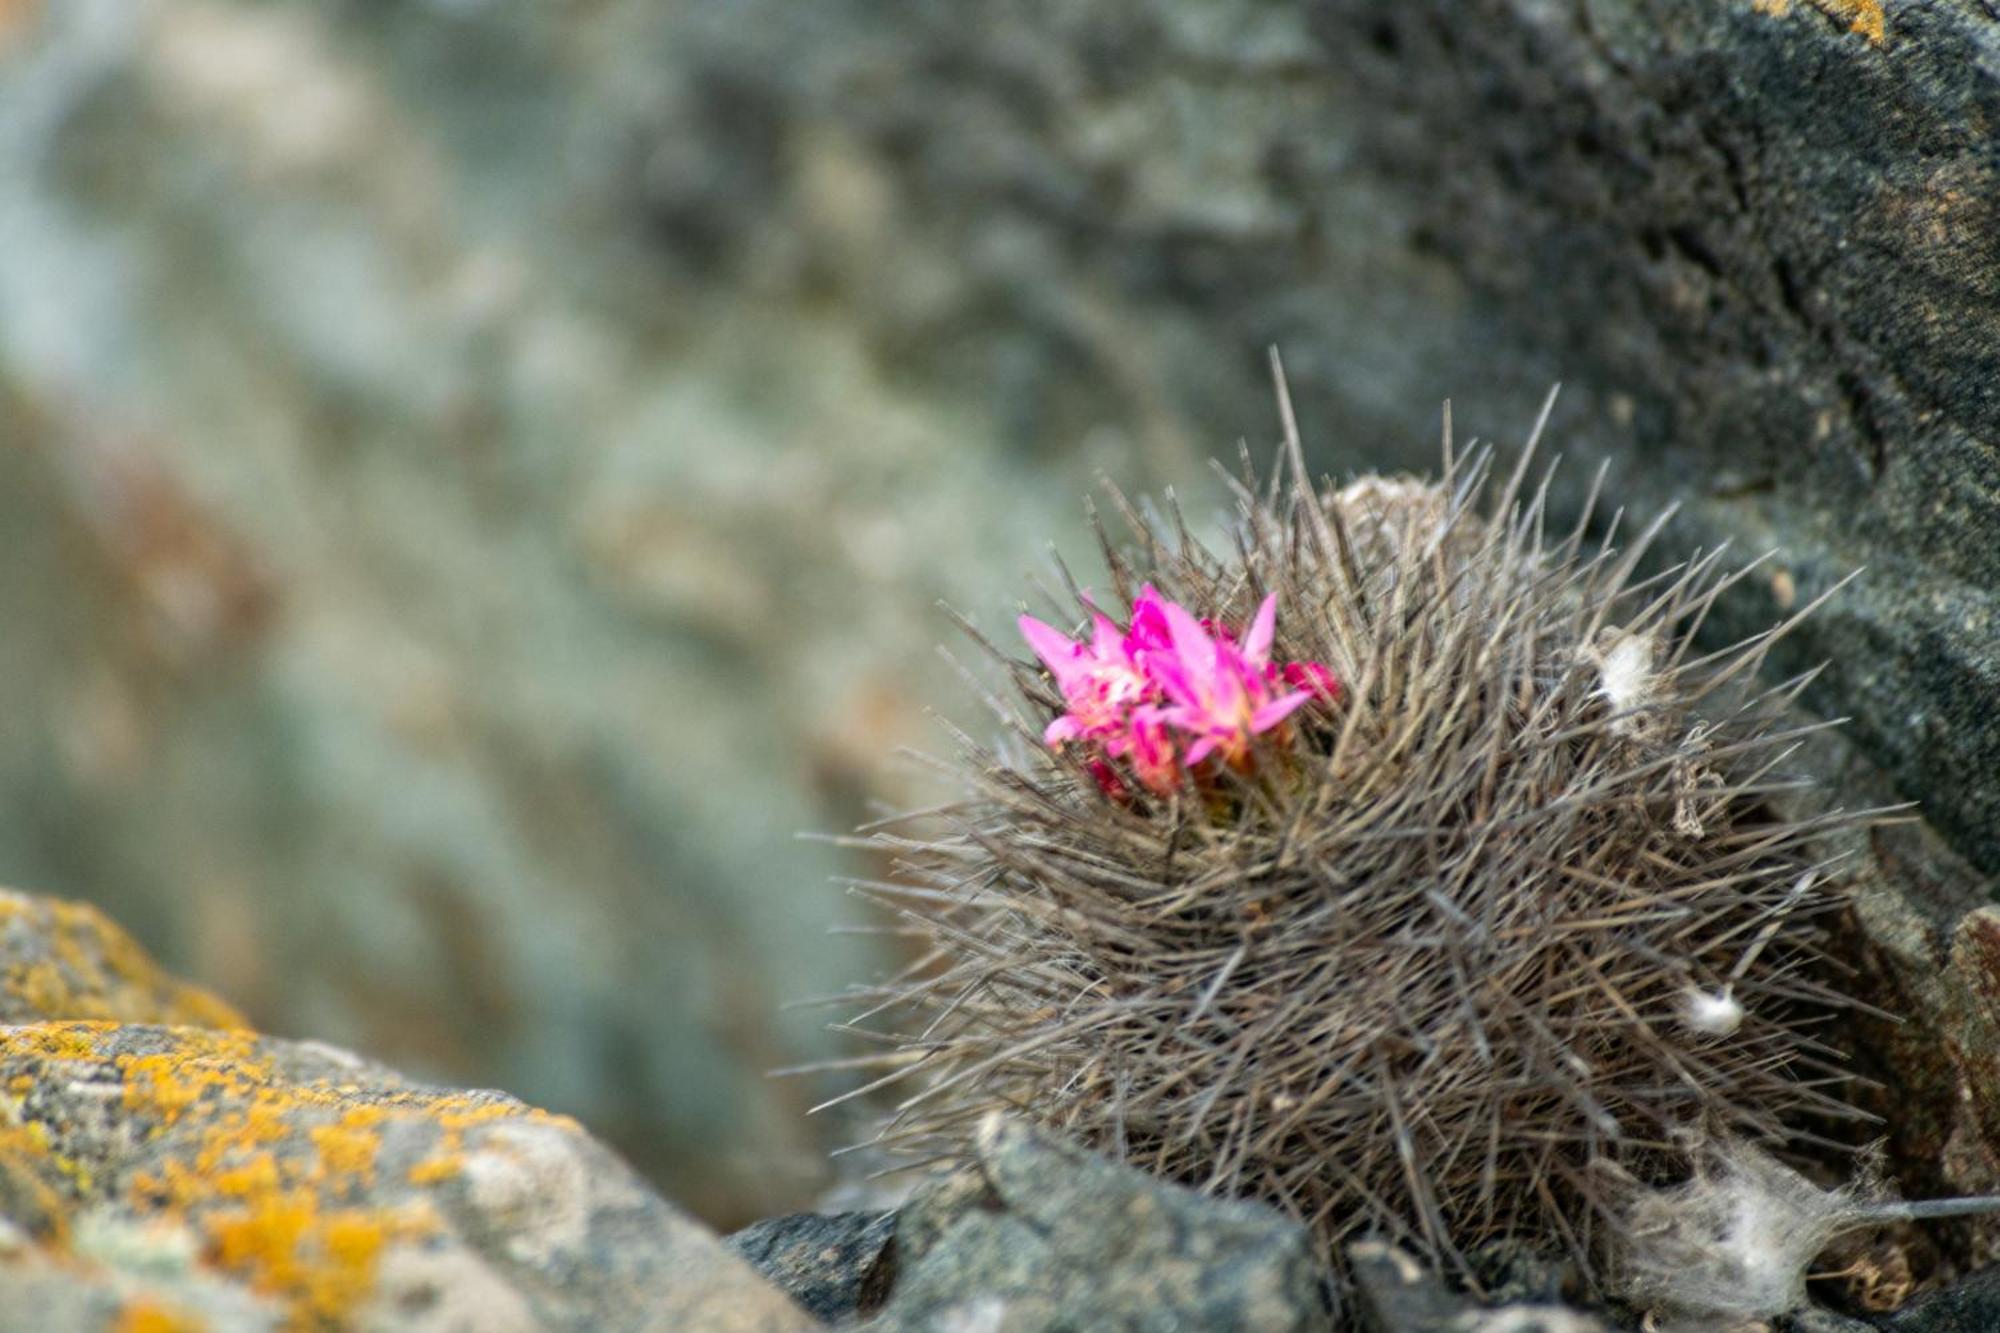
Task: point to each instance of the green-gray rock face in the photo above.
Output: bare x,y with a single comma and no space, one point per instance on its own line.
1040,1237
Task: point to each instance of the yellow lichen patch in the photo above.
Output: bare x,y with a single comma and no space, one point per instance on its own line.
1866,17
56,1041
61,960
258,1176
30,1178
283,1181
220,1064
320,1263
348,1148
149,1316
435,1170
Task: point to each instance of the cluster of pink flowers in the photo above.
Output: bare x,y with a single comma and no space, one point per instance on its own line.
1170,691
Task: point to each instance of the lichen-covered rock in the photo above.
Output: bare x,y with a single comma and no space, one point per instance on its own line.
162,1168
1040,1237
68,960
327,1191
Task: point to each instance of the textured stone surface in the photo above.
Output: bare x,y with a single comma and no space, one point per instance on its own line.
231,1181
68,960
1398,1296
477,474
1041,1237
837,1265
1970,1306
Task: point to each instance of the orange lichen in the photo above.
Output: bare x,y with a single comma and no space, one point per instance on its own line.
70,961
60,1041
1866,17
164,1086
435,1170
148,1316
321,1264
349,1148
32,1177
271,1175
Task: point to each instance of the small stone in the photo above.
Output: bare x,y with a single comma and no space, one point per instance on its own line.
1398,1295
1971,1305
1040,1236
837,1265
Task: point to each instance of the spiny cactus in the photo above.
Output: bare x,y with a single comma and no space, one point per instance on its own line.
1481,903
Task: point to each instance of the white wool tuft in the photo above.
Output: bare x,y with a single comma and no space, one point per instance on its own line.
1717,1013
1625,679
1734,1243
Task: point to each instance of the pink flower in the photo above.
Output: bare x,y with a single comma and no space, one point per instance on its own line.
1165,693
1150,750
1315,678
1100,681
1221,693
1149,622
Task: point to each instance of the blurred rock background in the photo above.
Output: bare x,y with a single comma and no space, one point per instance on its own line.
476,475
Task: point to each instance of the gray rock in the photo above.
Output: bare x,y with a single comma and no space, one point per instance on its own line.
1041,1237
1397,1295
162,1167
247,1182
1971,1305
64,960
836,1265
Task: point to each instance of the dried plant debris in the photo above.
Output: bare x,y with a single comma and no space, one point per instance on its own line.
1402,863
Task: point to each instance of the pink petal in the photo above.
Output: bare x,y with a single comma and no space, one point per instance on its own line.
1064,728
1107,640
1056,649
1165,673
1149,622
1193,648
1276,711
1257,643
1199,751
1235,683
1314,676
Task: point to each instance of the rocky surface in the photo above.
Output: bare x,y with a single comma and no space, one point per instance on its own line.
181,1177
1398,1296
837,1265
68,960
478,473
1971,1306
1040,1237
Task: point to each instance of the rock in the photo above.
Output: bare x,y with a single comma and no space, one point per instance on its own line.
235,1181
1040,1237
836,1265
1398,1296
338,1193
1970,1305
68,960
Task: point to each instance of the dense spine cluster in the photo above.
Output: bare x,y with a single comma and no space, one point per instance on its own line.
1450,956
